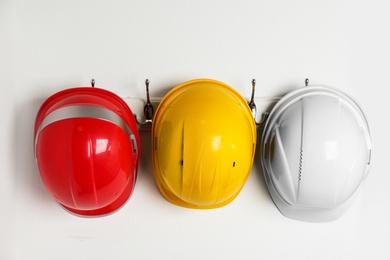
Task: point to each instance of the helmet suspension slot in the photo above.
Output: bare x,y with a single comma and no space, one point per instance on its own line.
306,82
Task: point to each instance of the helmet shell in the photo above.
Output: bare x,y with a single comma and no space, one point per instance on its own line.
203,144
315,151
87,148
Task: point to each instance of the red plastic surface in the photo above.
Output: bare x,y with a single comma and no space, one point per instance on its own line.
87,164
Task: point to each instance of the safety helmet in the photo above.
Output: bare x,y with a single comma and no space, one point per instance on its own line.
203,144
87,149
315,153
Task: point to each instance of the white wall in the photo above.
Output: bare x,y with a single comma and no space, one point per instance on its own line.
46,46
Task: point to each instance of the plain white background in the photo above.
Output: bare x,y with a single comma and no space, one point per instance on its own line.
46,46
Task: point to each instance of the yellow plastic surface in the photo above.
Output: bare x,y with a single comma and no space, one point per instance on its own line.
203,144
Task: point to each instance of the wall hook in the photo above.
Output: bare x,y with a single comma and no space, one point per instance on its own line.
251,103
253,108
148,108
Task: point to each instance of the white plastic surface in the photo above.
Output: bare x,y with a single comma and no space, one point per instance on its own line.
316,153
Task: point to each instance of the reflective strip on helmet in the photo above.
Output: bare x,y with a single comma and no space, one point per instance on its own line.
80,111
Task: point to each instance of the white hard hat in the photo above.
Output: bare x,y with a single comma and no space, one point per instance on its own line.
315,151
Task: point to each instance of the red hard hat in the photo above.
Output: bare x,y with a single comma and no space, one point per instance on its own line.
87,148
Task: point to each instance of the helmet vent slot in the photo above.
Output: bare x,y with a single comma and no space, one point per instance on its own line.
300,164
369,157
234,164
134,145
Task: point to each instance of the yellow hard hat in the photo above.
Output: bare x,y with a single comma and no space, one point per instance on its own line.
203,144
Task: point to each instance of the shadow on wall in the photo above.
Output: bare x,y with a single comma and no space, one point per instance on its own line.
145,167
257,168
27,178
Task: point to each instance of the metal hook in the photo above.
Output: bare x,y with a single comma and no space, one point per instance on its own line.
148,108
264,118
253,108
92,83
251,103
